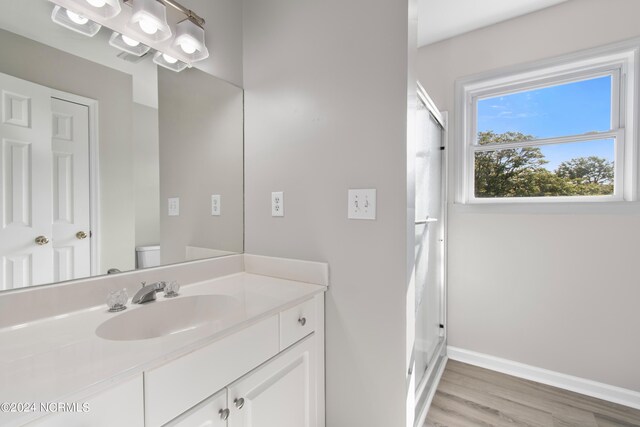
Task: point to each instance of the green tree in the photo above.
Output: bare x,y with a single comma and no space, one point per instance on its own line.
591,176
521,172
514,172
587,170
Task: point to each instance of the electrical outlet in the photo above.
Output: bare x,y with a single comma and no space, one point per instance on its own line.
277,203
215,205
362,204
174,206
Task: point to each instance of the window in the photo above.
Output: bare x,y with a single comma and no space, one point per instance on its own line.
550,133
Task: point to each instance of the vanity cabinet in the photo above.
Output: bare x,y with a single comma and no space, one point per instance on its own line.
281,393
120,406
212,412
269,374
177,386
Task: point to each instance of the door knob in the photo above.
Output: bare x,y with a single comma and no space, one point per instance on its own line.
80,235
41,240
239,403
224,414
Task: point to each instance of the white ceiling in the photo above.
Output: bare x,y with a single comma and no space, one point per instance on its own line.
442,19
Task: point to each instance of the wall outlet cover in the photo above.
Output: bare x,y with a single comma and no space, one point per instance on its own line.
277,203
174,206
215,205
362,204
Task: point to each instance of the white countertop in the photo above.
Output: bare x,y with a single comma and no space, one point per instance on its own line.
61,359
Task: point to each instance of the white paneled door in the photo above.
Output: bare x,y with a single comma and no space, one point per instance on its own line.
70,190
44,186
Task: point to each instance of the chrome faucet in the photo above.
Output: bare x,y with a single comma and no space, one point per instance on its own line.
148,292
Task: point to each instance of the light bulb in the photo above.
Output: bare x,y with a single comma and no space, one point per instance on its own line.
78,19
148,26
97,3
169,59
188,47
131,42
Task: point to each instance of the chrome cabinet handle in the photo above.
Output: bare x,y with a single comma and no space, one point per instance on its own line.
224,414
41,240
302,321
81,235
239,403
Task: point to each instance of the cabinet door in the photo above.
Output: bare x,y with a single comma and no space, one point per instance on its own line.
120,406
212,412
280,393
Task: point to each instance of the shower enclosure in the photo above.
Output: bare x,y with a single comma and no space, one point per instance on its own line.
430,233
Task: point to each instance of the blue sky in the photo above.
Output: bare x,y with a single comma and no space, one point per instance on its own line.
570,109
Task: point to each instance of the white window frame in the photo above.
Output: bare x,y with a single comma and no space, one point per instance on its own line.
619,61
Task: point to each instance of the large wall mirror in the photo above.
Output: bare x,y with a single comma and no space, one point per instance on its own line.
109,162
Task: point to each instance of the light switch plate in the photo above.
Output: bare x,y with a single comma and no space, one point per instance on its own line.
215,205
174,206
277,203
362,204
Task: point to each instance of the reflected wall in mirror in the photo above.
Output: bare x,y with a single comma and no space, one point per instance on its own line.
108,162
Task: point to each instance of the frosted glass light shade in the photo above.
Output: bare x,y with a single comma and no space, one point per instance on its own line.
169,62
93,9
74,21
190,41
128,45
149,21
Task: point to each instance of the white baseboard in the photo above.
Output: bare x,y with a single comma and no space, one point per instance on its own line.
595,389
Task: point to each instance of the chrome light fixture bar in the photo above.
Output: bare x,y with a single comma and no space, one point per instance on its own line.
127,44
74,21
93,9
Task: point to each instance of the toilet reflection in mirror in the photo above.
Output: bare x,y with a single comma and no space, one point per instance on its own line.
94,143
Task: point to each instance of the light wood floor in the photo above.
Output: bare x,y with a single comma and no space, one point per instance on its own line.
469,396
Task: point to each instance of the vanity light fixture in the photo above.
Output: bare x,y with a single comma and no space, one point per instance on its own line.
190,40
139,29
149,20
74,21
127,44
169,62
93,9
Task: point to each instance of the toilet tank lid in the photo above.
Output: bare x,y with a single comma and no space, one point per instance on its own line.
147,248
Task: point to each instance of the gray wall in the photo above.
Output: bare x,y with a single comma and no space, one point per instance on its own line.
35,62
223,32
146,171
550,287
326,110
201,153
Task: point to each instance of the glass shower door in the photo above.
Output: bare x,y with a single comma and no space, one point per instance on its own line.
429,239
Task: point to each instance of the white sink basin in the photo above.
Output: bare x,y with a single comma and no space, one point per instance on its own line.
166,316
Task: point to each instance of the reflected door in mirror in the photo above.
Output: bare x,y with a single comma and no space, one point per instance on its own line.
44,186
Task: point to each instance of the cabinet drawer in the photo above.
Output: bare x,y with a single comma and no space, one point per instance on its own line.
206,413
296,323
173,388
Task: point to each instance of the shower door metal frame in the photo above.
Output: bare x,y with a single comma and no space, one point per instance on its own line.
427,387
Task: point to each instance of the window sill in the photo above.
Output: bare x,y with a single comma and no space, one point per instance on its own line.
549,208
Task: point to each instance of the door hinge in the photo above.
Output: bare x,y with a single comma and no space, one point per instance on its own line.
441,148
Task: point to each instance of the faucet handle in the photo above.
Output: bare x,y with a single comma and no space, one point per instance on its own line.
171,289
117,300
